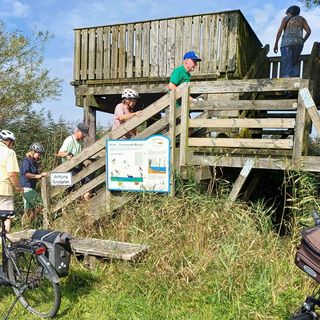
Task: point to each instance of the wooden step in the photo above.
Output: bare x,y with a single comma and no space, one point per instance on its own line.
102,248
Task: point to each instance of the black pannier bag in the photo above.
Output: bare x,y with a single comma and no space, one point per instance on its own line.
308,253
58,249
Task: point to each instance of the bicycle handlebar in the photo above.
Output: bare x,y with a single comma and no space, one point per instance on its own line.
316,217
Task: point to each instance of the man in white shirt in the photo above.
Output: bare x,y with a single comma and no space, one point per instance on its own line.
9,169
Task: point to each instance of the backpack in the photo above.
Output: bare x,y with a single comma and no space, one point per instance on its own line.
58,249
308,253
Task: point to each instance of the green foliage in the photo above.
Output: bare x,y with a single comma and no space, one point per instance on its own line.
310,4
23,79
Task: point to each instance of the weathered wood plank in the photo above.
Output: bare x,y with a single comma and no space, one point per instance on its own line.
138,50
178,42
223,104
92,167
84,55
79,192
241,179
309,104
184,126
204,64
130,50
122,51
241,143
223,63
298,139
92,53
99,59
146,49
106,52
196,43
233,34
187,34
242,123
114,51
172,135
77,54
170,47
162,49
307,163
214,44
45,195
96,247
154,49
249,85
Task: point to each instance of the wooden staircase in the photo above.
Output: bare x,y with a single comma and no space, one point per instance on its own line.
248,123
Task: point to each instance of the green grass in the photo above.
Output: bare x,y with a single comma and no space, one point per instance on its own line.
207,260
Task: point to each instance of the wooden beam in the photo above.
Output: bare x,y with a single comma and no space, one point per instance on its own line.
298,139
241,143
250,85
90,119
223,104
241,179
79,192
184,126
172,134
45,195
242,123
309,104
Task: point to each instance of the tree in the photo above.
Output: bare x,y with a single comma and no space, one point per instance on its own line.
23,78
310,4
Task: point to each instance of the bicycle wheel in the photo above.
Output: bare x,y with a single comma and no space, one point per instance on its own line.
302,316
36,290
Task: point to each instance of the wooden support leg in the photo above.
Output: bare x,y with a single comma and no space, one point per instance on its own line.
241,179
311,108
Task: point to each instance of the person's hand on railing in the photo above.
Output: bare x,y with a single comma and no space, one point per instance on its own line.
138,113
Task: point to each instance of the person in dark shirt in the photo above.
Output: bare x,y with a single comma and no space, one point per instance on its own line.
29,175
292,29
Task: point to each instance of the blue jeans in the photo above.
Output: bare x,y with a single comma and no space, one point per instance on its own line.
290,65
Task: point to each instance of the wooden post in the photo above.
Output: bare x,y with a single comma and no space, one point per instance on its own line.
89,120
184,127
172,134
45,194
299,130
309,104
241,179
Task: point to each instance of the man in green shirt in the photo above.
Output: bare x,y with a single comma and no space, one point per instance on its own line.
182,73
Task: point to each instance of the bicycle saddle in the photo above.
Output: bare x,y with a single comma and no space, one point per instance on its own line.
5,214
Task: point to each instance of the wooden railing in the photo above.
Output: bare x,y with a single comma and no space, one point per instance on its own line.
152,49
307,63
276,128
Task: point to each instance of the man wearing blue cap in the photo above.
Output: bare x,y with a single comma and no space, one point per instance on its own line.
182,74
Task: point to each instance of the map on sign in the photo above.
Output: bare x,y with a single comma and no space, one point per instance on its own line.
139,165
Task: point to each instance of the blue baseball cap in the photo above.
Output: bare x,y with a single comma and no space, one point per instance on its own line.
191,55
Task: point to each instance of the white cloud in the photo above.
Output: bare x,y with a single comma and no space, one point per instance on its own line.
14,8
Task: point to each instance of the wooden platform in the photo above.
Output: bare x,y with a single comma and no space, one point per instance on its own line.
91,247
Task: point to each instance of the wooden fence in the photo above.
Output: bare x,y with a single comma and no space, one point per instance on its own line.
152,49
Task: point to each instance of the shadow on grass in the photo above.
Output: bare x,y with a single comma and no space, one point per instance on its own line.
73,287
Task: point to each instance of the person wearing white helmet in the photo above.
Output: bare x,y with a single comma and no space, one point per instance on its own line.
125,111
29,175
9,169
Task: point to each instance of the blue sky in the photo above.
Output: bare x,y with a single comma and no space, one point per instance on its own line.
60,17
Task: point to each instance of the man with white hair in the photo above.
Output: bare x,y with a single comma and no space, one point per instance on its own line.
9,169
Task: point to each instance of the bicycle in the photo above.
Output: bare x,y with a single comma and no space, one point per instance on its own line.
28,271
309,265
